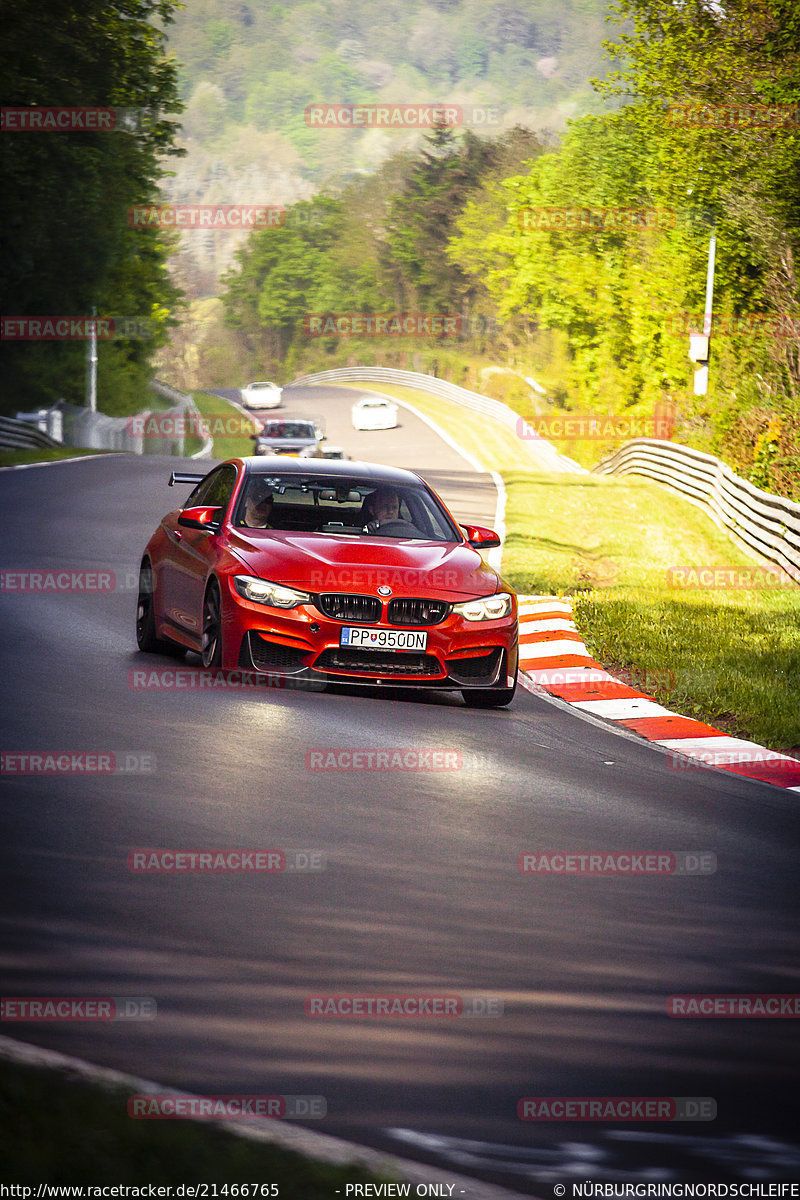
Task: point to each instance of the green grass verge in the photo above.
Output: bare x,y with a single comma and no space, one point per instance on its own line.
733,661
58,1129
226,426
13,458
726,655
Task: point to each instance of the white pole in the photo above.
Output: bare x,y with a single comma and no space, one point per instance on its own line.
91,365
712,254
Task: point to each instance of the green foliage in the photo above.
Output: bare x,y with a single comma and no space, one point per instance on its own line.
271,60
600,303
313,264
379,246
62,1129
618,294
65,240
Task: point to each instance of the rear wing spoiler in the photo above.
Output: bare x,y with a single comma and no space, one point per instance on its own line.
186,477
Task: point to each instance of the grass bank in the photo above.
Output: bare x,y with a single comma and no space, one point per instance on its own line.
226,424
660,594
58,1129
722,646
34,454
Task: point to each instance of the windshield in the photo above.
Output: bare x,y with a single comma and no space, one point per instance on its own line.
288,429
351,508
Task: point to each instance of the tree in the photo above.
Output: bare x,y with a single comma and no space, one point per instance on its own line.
65,239
421,219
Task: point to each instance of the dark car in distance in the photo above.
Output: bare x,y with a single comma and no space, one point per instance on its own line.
297,436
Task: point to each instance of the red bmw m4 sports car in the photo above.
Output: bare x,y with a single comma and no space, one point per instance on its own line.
345,572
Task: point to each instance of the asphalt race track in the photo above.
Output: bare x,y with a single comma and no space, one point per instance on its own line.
421,892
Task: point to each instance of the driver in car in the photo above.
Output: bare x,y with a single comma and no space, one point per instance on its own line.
383,505
258,508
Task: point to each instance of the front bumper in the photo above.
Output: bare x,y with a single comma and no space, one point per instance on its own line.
306,451
304,643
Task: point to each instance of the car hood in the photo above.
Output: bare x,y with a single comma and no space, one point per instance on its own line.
285,443
320,563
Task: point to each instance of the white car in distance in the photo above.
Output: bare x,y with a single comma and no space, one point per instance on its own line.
374,412
262,395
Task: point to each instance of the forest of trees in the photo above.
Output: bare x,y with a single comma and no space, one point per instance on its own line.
65,242
709,135
578,258
256,66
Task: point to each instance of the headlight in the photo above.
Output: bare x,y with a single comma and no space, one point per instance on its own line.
488,608
307,452
261,591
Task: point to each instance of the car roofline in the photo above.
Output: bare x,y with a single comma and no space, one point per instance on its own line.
263,464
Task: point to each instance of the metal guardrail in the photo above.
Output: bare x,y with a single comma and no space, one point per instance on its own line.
16,434
761,521
185,404
84,428
543,452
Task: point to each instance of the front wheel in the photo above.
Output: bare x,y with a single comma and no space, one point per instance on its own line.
211,645
146,638
489,697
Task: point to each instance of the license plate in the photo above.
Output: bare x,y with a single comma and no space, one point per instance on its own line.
383,639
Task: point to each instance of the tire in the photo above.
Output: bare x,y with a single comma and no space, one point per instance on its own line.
489,697
146,638
211,651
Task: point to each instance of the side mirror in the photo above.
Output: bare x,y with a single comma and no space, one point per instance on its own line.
480,537
201,517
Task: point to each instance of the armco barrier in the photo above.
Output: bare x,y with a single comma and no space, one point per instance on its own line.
761,521
543,454
16,434
184,404
82,427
